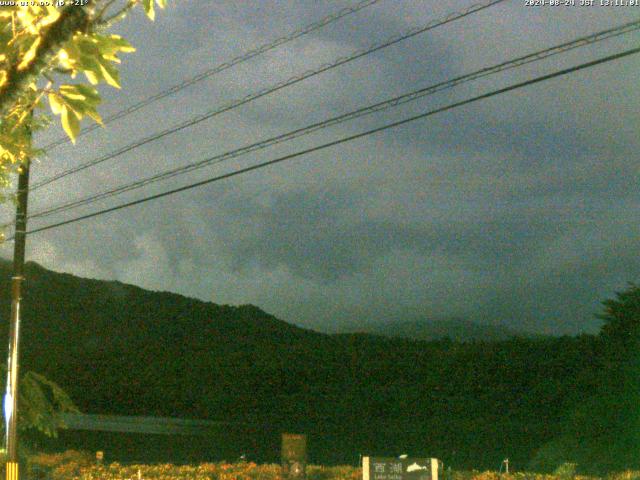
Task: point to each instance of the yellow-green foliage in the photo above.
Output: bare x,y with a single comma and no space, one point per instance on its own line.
626,475
60,465
474,475
53,460
74,465
43,47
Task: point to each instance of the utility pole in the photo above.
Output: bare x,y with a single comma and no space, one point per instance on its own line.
11,396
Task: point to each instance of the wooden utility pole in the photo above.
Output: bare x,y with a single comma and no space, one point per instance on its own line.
11,395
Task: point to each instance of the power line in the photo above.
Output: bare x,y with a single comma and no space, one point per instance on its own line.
279,86
222,67
380,106
452,106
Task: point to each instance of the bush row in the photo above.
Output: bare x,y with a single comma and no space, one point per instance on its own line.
73,465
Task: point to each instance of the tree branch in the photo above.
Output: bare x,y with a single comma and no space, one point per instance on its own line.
71,20
100,15
117,16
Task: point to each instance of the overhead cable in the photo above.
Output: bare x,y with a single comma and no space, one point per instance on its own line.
220,68
266,91
368,110
349,138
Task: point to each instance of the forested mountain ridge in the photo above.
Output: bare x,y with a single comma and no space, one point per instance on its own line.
120,349
455,329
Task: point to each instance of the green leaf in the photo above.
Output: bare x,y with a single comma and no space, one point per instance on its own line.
56,104
91,68
70,123
110,74
89,92
96,116
76,101
83,93
149,8
92,77
30,54
112,44
69,91
82,106
78,106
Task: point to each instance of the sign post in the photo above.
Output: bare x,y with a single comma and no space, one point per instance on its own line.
294,455
389,468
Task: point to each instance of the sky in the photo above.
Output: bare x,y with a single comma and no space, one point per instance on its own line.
520,210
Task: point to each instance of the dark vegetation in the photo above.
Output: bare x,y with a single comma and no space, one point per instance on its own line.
119,349
455,329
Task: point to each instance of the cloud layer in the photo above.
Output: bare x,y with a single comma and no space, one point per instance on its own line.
522,209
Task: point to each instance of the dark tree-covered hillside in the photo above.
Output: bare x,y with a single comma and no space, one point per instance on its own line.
122,350
603,431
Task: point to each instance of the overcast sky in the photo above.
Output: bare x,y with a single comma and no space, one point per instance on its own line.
520,210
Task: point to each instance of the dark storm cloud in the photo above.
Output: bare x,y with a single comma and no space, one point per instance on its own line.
564,293
328,235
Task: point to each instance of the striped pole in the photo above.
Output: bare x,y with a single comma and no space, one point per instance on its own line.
12,470
11,395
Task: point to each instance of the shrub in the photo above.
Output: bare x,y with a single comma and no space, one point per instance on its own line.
566,471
